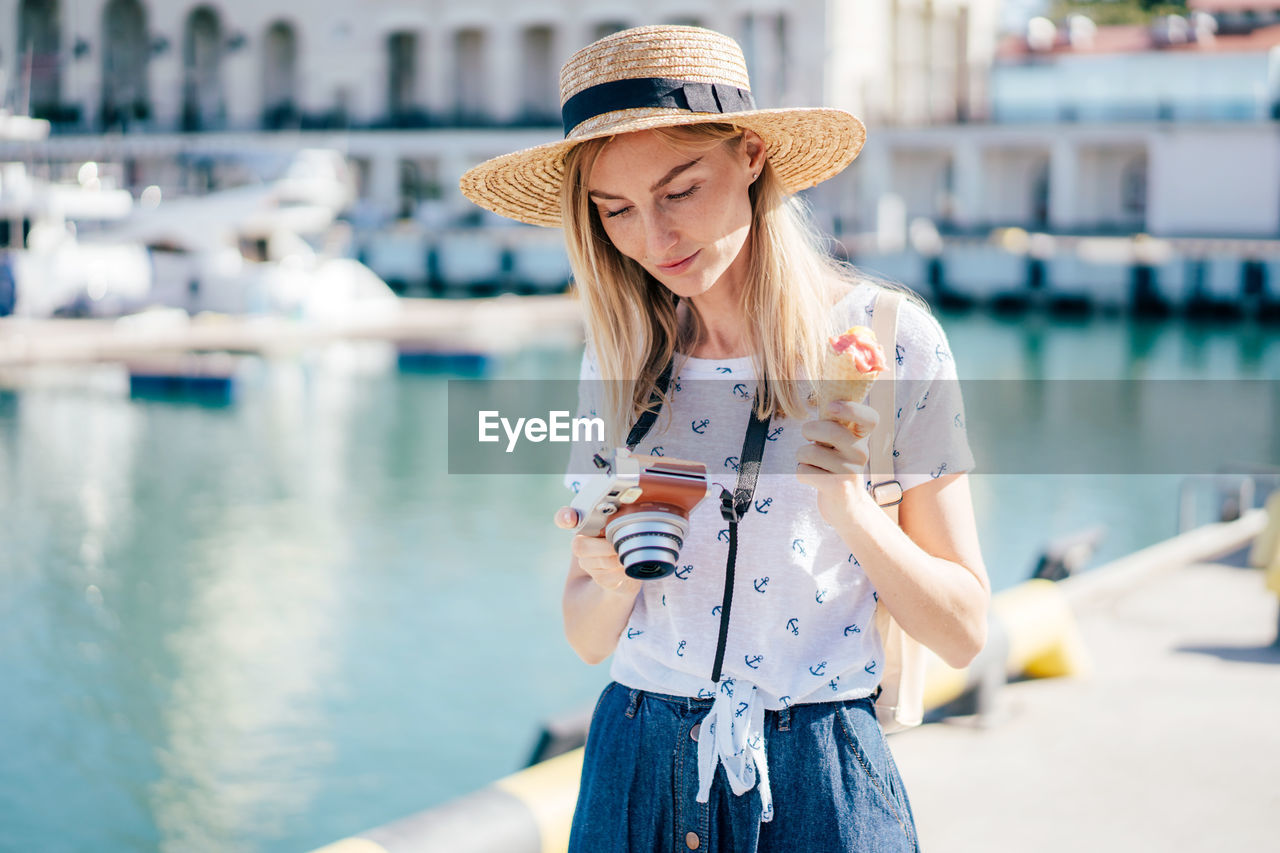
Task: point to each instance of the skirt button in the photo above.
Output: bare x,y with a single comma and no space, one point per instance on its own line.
693,732
692,841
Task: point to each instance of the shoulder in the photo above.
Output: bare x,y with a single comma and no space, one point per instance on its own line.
917,325
920,346
915,321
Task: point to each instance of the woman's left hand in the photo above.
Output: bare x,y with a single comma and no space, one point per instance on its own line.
834,460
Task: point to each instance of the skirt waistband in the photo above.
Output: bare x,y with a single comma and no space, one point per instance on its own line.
694,703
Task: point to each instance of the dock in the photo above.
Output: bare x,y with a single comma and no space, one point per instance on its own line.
1172,743
490,325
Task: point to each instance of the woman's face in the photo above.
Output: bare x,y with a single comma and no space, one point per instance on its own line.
683,216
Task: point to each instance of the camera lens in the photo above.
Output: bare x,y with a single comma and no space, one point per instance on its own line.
648,543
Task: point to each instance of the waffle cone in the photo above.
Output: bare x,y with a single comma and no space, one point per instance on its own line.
842,381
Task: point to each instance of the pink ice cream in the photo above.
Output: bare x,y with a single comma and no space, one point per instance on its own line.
853,361
859,344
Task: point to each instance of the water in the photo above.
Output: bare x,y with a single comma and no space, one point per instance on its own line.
270,625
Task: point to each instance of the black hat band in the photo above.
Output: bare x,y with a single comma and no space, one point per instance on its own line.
642,92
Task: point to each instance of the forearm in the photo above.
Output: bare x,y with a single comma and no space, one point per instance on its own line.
939,602
594,616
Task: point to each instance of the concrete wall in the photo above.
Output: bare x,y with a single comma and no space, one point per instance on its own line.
1200,180
1216,180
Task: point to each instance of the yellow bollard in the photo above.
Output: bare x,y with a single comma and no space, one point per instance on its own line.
549,790
1031,632
1266,547
1043,639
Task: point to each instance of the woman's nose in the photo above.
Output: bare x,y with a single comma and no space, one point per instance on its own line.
660,236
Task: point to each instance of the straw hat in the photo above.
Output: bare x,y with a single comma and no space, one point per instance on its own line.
664,76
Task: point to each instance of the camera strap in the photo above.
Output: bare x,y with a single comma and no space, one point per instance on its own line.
647,418
733,506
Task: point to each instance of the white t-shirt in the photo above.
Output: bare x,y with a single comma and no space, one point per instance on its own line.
801,625
801,621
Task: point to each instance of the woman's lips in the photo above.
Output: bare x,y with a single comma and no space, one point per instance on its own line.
678,266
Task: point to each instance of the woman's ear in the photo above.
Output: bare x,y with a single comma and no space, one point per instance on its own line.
753,148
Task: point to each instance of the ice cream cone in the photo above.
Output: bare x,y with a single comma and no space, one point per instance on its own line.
853,361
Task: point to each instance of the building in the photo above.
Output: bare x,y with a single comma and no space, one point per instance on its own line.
1120,168
418,90
1169,130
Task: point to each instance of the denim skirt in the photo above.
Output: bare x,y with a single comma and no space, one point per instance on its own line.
835,785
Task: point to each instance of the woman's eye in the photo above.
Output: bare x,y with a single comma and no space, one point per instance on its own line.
609,214
675,196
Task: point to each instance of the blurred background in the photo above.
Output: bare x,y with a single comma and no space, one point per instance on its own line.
244,605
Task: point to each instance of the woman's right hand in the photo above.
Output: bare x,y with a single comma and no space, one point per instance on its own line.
595,556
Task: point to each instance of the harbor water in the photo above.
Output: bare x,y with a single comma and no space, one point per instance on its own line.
267,625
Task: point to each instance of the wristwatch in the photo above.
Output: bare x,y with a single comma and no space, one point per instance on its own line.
887,493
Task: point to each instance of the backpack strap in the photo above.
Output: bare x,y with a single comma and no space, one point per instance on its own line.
884,487
899,699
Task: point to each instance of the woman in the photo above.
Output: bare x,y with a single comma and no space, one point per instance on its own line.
674,193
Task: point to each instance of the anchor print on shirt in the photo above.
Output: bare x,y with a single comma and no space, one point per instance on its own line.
835,684
898,352
854,560
785,700
576,486
680,649
740,390
942,354
851,629
677,384
664,599
753,661
700,426
723,535
726,687
704,693
923,399
657,451
958,422
740,710
762,506
755,741
632,633
715,611
871,308
773,434
820,596
760,584
731,462
870,668
797,545
793,625
898,417
942,469
683,572
723,369
818,670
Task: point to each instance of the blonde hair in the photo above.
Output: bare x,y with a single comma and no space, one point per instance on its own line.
631,317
